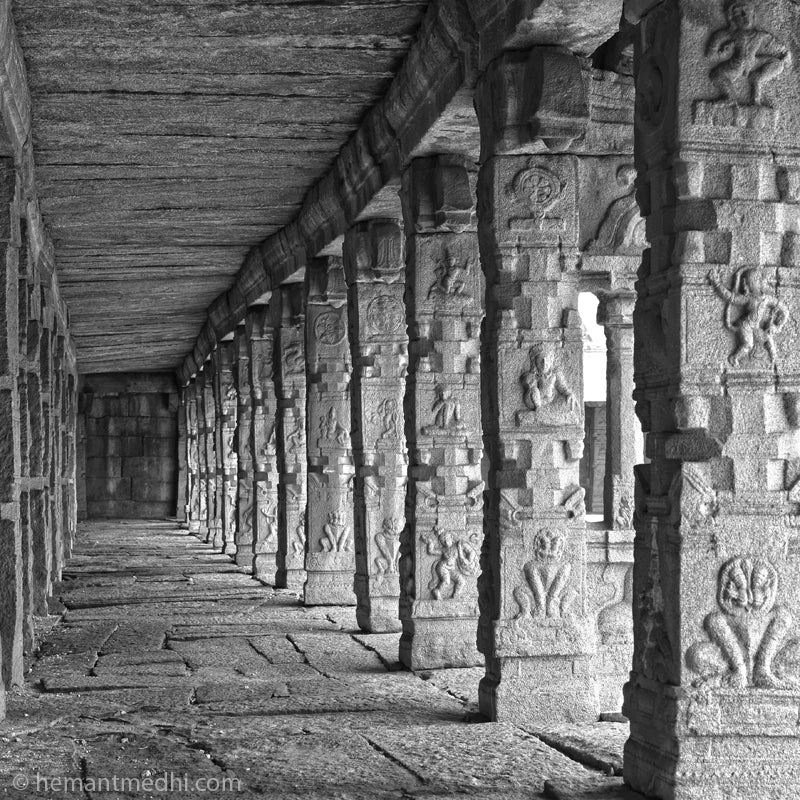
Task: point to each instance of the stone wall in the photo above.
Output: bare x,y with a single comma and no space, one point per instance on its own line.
131,464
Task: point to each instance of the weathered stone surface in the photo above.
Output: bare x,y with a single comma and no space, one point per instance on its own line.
375,270
441,542
259,709
330,553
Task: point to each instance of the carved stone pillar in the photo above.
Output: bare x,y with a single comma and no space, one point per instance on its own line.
57,460
444,306
244,452
226,400
292,457
261,323
206,400
615,313
192,458
713,694
330,557
373,259
182,501
12,607
535,630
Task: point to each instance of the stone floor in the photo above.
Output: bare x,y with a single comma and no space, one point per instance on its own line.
166,672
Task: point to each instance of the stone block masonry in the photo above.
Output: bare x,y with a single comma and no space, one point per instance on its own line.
131,445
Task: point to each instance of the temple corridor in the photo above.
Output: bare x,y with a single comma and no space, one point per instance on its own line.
170,661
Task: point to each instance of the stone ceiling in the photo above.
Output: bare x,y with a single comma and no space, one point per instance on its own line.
170,138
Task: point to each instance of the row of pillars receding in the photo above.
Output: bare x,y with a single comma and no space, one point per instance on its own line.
410,417
485,400
38,409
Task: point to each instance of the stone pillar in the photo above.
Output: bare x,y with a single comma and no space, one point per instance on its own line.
192,457
71,467
56,449
244,451
261,323
226,403
182,502
210,524
373,259
330,557
12,607
292,457
615,313
713,693
45,515
444,304
536,631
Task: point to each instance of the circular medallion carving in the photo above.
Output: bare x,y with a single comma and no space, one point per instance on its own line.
329,328
385,314
539,188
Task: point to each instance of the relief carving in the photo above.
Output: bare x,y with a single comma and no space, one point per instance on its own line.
267,508
539,189
329,328
451,277
622,231
331,430
547,593
295,440
761,314
545,391
457,560
336,534
389,418
748,636
246,502
294,360
385,315
446,412
746,58
388,542
299,539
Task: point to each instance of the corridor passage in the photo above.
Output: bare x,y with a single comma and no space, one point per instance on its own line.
172,673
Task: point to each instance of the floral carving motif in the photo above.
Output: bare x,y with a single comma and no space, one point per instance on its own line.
538,188
385,314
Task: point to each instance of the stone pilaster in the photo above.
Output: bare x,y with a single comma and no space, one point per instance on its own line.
192,457
713,693
536,631
375,270
71,465
444,306
261,324
12,606
244,451
226,401
330,556
292,458
57,459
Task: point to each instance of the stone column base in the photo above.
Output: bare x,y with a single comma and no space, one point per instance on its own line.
329,589
292,579
439,643
539,692
264,567
194,526
245,558
379,615
215,537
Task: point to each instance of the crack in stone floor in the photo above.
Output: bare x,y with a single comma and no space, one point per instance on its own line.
171,672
